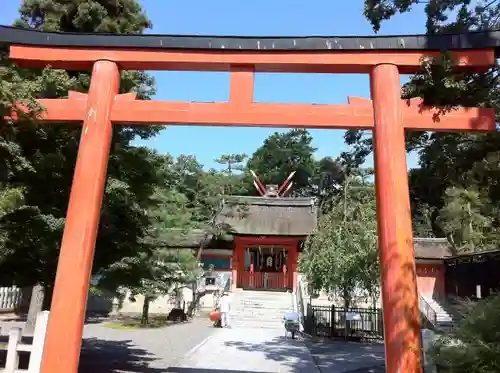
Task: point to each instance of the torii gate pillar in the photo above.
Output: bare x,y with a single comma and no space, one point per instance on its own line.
395,240
69,302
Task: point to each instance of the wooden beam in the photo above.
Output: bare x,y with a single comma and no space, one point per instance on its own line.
418,117
358,114
241,85
333,61
350,116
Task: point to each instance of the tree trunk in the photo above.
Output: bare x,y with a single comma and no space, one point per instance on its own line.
36,305
193,306
347,299
471,228
451,241
347,304
346,183
47,299
145,311
24,305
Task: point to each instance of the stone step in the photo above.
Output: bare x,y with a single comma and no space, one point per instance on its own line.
260,309
246,316
261,316
279,308
270,301
247,301
236,324
262,304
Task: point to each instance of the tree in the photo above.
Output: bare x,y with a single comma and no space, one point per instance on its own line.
42,159
462,160
162,271
233,162
341,257
157,270
474,346
463,221
283,153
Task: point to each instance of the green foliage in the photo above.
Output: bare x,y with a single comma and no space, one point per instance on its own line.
283,153
163,269
462,219
448,161
233,162
474,346
40,159
341,257
10,200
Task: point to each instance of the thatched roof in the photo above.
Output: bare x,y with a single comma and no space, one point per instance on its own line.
268,216
432,248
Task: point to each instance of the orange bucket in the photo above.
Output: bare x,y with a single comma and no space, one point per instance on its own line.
214,316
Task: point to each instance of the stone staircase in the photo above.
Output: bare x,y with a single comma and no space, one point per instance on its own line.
259,309
445,318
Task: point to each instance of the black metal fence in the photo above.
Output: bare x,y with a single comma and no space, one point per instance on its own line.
354,324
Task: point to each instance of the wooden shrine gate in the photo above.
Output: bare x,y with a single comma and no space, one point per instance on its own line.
384,58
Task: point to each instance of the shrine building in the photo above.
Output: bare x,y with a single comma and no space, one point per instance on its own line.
264,237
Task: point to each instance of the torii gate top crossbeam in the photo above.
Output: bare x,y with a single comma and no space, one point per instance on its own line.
384,58
265,54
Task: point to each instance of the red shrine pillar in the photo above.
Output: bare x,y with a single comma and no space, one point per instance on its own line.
292,264
67,314
236,262
402,332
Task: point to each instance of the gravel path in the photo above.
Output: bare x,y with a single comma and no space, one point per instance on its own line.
108,350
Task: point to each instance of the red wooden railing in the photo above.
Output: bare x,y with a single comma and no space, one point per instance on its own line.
265,280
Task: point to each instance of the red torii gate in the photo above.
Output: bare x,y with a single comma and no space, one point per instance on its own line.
384,58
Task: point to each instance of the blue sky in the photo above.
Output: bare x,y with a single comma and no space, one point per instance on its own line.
260,18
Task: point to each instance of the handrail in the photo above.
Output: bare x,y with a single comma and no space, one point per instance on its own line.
427,310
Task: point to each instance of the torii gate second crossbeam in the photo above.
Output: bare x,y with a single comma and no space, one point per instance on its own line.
387,115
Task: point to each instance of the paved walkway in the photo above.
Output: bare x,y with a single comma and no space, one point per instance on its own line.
266,350
248,350
348,357
197,347
139,351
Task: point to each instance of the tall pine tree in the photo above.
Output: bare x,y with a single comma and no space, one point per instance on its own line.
41,159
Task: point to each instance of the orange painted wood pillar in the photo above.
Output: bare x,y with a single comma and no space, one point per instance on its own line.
397,261
236,263
292,264
67,313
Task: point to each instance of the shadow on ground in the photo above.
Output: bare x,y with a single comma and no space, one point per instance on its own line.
329,357
99,356
348,357
291,353
201,370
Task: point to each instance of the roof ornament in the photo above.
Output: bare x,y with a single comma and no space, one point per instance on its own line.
273,190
